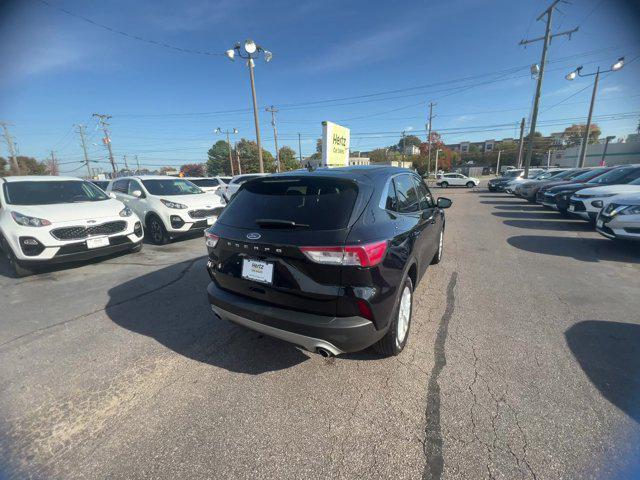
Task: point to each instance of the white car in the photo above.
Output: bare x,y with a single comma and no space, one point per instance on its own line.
588,202
456,180
167,206
511,186
234,185
45,220
208,184
620,218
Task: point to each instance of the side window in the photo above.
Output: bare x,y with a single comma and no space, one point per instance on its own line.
133,186
392,200
407,194
424,195
121,186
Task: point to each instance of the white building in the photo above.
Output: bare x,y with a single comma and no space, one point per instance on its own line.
617,154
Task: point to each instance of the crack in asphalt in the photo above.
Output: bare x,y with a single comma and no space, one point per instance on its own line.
433,433
179,277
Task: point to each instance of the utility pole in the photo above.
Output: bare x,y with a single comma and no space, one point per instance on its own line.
548,158
520,144
404,146
12,149
53,164
431,105
126,165
137,164
436,169
547,39
273,111
106,140
498,163
300,147
84,148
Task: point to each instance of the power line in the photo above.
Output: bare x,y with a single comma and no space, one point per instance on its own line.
130,36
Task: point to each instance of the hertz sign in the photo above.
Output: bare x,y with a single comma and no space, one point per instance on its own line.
335,145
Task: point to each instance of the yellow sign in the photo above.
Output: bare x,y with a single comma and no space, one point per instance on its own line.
335,145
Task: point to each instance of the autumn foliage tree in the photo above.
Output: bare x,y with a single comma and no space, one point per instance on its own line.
192,170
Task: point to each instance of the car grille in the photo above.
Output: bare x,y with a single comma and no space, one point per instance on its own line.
80,232
82,246
205,213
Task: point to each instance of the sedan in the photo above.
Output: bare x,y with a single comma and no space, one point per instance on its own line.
620,218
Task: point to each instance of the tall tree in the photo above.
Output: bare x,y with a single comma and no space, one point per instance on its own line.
192,170
3,167
317,156
408,141
248,152
573,134
218,162
288,159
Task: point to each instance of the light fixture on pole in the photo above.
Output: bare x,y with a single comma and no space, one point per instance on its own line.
227,132
250,51
578,73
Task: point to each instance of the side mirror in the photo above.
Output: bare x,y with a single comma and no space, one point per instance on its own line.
112,195
136,193
444,202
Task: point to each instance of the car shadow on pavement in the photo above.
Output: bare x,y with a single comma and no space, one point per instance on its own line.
503,202
170,305
580,248
609,354
521,207
550,225
531,215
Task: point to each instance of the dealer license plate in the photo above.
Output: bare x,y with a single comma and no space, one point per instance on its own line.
97,242
572,208
257,271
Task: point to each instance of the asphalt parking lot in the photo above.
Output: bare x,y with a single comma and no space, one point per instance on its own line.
523,362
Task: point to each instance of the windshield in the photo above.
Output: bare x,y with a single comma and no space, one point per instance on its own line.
174,186
205,182
313,202
512,173
620,175
585,176
52,192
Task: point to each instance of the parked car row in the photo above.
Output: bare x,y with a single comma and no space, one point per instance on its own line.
55,219
607,197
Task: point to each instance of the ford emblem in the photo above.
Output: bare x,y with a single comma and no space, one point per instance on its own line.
91,221
253,236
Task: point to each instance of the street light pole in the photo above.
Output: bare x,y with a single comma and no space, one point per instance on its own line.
578,73
252,51
603,161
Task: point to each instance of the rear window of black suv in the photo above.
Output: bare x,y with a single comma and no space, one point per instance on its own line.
315,203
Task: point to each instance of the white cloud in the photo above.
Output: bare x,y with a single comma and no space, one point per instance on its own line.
611,89
364,50
194,15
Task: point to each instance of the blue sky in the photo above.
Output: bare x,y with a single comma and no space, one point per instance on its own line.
462,54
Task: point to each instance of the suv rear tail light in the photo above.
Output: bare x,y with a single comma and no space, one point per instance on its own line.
210,239
366,255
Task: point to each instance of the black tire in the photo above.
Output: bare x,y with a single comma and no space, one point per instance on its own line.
444,184
470,184
390,345
156,232
19,271
437,258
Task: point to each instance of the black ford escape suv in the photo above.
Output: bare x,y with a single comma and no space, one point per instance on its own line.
328,259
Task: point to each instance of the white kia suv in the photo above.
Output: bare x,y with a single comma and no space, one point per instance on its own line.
52,219
456,180
168,206
236,182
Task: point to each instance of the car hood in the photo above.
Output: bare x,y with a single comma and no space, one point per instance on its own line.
567,186
625,199
611,189
69,212
200,200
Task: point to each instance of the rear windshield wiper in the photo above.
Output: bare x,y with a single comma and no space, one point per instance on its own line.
275,223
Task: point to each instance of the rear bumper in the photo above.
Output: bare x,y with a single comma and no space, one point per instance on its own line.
307,330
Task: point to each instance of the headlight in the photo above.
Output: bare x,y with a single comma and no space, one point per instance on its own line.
169,204
27,221
630,210
126,212
597,203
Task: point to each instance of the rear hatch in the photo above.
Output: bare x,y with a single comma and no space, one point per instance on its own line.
263,228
